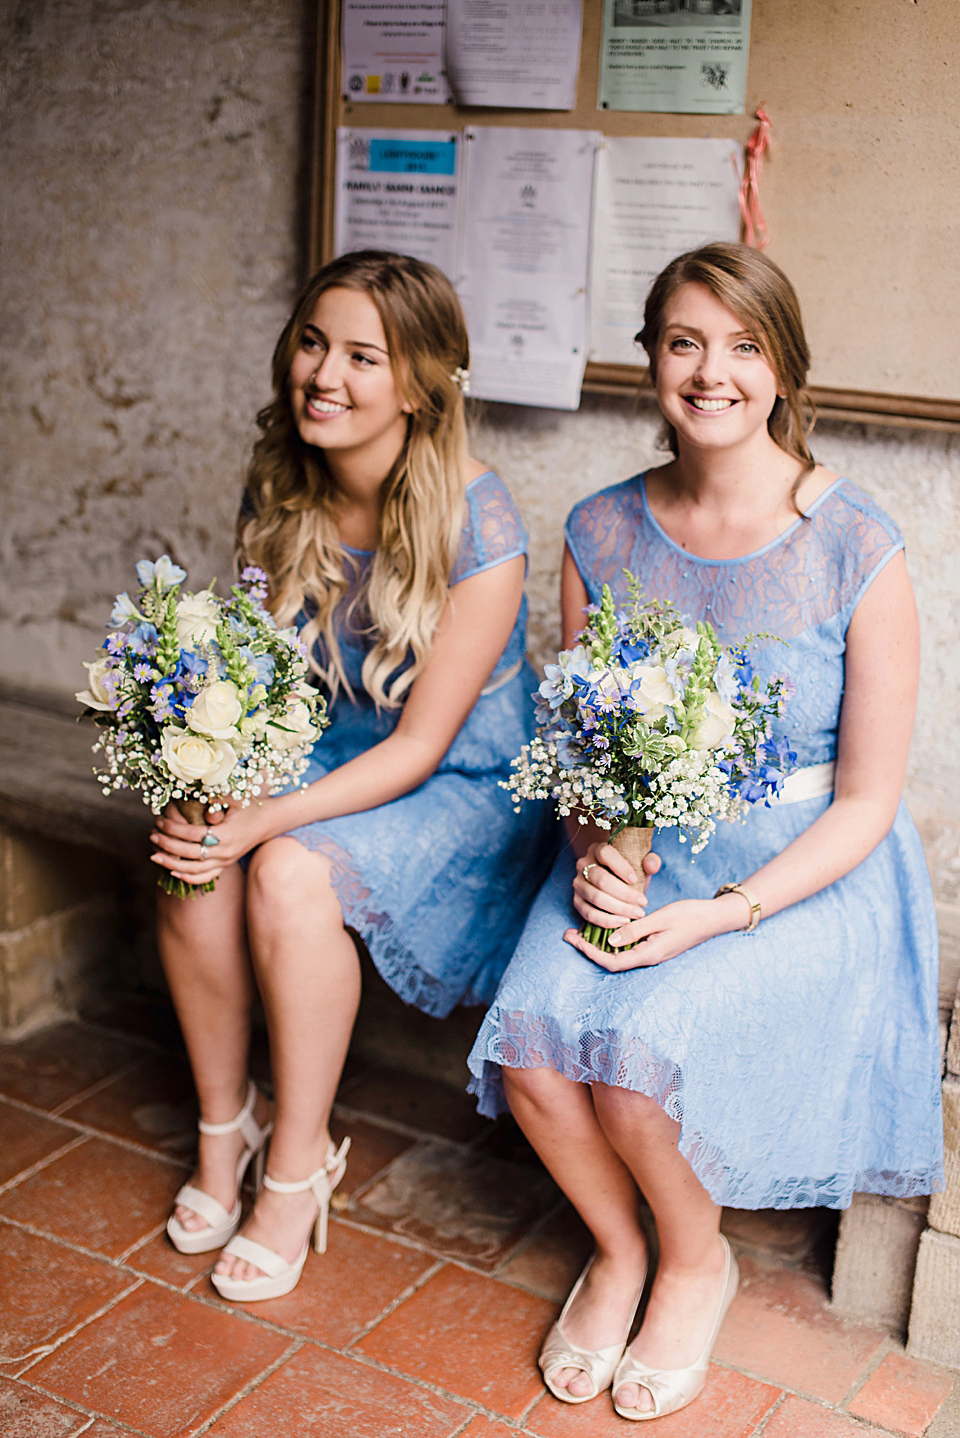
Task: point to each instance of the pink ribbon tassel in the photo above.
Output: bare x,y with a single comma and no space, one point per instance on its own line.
754,225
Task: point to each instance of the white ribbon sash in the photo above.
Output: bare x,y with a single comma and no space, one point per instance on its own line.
809,783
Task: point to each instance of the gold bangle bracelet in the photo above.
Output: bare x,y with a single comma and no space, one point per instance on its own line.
750,898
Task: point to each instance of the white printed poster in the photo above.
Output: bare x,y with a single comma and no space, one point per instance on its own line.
524,54
654,199
399,190
525,254
393,50
685,56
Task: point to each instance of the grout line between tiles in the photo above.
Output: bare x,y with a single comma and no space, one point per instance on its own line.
92,1414
76,1142
395,1303
867,1372
395,1125
90,1132
45,1350
248,1388
96,1087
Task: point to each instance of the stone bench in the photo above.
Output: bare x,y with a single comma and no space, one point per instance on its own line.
75,891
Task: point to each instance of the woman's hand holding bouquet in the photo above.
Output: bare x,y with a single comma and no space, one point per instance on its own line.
204,704
650,722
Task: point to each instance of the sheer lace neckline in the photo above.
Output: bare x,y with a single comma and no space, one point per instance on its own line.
740,558
352,549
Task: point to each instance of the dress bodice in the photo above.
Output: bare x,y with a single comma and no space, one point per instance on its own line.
802,588
493,532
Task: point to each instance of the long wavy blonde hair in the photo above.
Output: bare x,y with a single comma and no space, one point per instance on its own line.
288,526
758,292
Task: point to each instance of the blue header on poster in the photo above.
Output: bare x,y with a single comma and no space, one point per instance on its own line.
413,157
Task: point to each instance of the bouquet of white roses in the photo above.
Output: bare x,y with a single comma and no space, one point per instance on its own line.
200,697
649,722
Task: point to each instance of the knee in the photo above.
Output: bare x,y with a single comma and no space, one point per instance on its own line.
623,1111
284,879
542,1087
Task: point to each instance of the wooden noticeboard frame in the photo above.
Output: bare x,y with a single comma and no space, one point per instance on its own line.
861,192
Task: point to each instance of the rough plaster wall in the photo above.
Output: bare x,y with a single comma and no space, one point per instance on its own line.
148,169
551,460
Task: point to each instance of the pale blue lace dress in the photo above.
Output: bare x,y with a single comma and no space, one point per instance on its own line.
438,883
801,1060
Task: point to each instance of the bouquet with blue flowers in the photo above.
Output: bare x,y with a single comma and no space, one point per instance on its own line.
199,697
647,722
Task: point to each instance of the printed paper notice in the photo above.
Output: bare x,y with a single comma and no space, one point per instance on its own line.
393,50
525,245
687,56
654,199
399,190
519,54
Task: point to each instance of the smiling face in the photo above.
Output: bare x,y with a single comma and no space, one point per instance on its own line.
343,392
714,383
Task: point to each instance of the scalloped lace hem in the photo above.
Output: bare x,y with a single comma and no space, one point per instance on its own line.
516,1041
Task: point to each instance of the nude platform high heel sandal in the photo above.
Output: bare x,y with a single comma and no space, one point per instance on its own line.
597,1363
221,1225
674,1388
281,1276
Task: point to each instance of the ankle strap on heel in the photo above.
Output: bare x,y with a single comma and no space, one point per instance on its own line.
214,1130
335,1160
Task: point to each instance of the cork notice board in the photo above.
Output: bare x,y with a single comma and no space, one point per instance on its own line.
861,189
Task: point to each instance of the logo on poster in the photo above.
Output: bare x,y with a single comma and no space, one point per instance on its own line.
714,76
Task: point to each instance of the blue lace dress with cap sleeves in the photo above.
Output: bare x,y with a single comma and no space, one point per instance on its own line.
438,883
801,1060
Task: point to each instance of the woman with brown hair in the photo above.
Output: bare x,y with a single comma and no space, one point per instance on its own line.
401,560
764,1033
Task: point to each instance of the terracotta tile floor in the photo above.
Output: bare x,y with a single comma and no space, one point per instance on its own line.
449,1252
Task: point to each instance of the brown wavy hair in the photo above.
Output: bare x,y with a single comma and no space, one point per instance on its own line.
288,525
758,292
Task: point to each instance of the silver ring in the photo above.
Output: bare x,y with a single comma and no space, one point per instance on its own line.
586,869
209,841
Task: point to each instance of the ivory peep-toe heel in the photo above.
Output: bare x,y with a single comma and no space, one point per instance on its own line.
598,1363
279,1275
673,1388
221,1225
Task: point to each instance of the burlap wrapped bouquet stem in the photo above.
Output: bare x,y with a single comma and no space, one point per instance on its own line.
634,844
195,812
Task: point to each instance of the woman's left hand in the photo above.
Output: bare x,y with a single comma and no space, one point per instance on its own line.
179,846
661,936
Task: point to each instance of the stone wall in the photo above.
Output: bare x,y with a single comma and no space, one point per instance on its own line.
152,180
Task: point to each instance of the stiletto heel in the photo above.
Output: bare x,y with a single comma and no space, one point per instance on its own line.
673,1388
597,1363
221,1225
281,1276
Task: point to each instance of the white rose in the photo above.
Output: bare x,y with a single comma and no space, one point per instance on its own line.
101,692
655,687
196,619
715,725
195,760
216,710
298,728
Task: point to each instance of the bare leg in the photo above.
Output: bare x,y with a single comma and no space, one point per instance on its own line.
309,979
686,1291
204,952
558,1117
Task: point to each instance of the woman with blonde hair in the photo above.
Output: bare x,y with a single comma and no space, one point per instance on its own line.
401,561
764,1033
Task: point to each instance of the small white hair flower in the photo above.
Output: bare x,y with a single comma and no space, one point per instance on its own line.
461,377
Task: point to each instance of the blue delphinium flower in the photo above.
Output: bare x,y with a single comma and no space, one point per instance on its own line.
164,573
123,609
143,640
